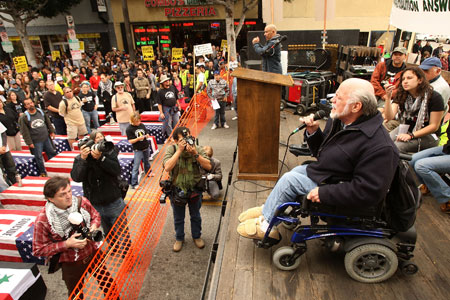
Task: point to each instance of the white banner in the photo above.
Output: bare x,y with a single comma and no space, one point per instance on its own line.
203,49
421,16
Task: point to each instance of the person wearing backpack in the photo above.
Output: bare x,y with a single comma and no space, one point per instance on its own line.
70,109
429,164
37,129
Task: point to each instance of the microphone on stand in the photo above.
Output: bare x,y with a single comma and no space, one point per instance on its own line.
283,38
317,116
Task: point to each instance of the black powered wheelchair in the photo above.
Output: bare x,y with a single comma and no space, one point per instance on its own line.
373,250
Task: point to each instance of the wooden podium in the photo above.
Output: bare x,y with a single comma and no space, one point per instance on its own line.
259,95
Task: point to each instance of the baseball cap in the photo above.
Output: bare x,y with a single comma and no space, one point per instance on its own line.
118,83
59,78
430,62
200,64
402,50
12,81
216,73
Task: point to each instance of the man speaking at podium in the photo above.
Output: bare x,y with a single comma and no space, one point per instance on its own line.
271,52
354,148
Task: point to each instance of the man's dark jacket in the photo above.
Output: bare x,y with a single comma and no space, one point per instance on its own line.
99,177
362,153
271,60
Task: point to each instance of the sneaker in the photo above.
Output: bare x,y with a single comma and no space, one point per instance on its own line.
234,118
199,243
135,187
177,246
226,125
214,127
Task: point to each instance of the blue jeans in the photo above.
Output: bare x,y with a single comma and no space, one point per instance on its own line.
88,116
428,164
290,185
139,155
179,213
60,125
39,147
123,128
109,213
170,120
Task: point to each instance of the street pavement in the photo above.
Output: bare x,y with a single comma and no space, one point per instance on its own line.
177,275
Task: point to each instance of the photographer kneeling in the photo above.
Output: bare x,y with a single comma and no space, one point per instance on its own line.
98,168
184,161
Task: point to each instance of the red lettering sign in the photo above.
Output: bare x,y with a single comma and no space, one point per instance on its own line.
197,11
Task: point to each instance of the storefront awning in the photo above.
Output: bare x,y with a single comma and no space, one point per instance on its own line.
60,29
431,17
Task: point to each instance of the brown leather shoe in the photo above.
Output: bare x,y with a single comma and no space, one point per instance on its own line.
423,189
199,243
445,207
177,246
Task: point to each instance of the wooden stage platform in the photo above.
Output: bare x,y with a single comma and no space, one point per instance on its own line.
243,271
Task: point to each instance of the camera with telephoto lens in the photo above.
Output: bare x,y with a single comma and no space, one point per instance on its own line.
166,187
103,146
190,140
78,225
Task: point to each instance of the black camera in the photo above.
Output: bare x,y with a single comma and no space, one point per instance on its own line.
190,140
103,146
78,225
166,187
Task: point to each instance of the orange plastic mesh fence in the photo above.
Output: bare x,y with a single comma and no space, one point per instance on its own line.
118,269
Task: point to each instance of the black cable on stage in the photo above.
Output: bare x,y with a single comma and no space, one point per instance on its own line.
213,254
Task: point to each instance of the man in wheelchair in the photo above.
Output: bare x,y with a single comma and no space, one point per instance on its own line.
353,146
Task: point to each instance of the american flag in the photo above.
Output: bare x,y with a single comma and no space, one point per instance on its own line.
16,234
155,129
25,163
61,144
62,164
30,196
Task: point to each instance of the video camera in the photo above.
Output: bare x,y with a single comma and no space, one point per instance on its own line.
103,146
190,140
78,225
166,186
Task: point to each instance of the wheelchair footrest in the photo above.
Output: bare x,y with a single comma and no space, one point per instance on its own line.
266,243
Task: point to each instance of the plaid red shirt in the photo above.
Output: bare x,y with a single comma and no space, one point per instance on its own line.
47,243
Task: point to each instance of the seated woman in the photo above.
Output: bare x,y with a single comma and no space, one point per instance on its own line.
428,165
416,105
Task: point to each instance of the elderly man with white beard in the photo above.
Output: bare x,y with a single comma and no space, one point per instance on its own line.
354,147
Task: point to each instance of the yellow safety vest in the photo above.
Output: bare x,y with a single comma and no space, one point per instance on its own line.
184,77
443,138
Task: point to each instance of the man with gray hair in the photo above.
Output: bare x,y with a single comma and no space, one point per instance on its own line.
354,148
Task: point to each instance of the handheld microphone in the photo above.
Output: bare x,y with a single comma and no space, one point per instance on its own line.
283,38
317,116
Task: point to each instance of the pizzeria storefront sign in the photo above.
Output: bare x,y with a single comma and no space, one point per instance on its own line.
182,8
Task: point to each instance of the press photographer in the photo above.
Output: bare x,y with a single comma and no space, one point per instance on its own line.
183,161
98,168
55,238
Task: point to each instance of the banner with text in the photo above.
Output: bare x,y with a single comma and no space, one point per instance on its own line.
55,54
177,54
203,49
421,16
147,53
224,45
20,62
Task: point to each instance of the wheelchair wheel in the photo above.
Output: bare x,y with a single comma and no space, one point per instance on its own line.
288,225
282,259
371,263
408,268
283,104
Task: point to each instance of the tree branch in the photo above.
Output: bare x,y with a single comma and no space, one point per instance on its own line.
34,13
245,9
220,2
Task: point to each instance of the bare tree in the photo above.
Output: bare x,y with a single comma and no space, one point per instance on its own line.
232,32
21,12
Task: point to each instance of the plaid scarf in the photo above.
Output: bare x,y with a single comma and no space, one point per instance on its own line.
59,218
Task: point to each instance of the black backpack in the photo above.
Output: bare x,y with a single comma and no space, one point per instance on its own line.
403,199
